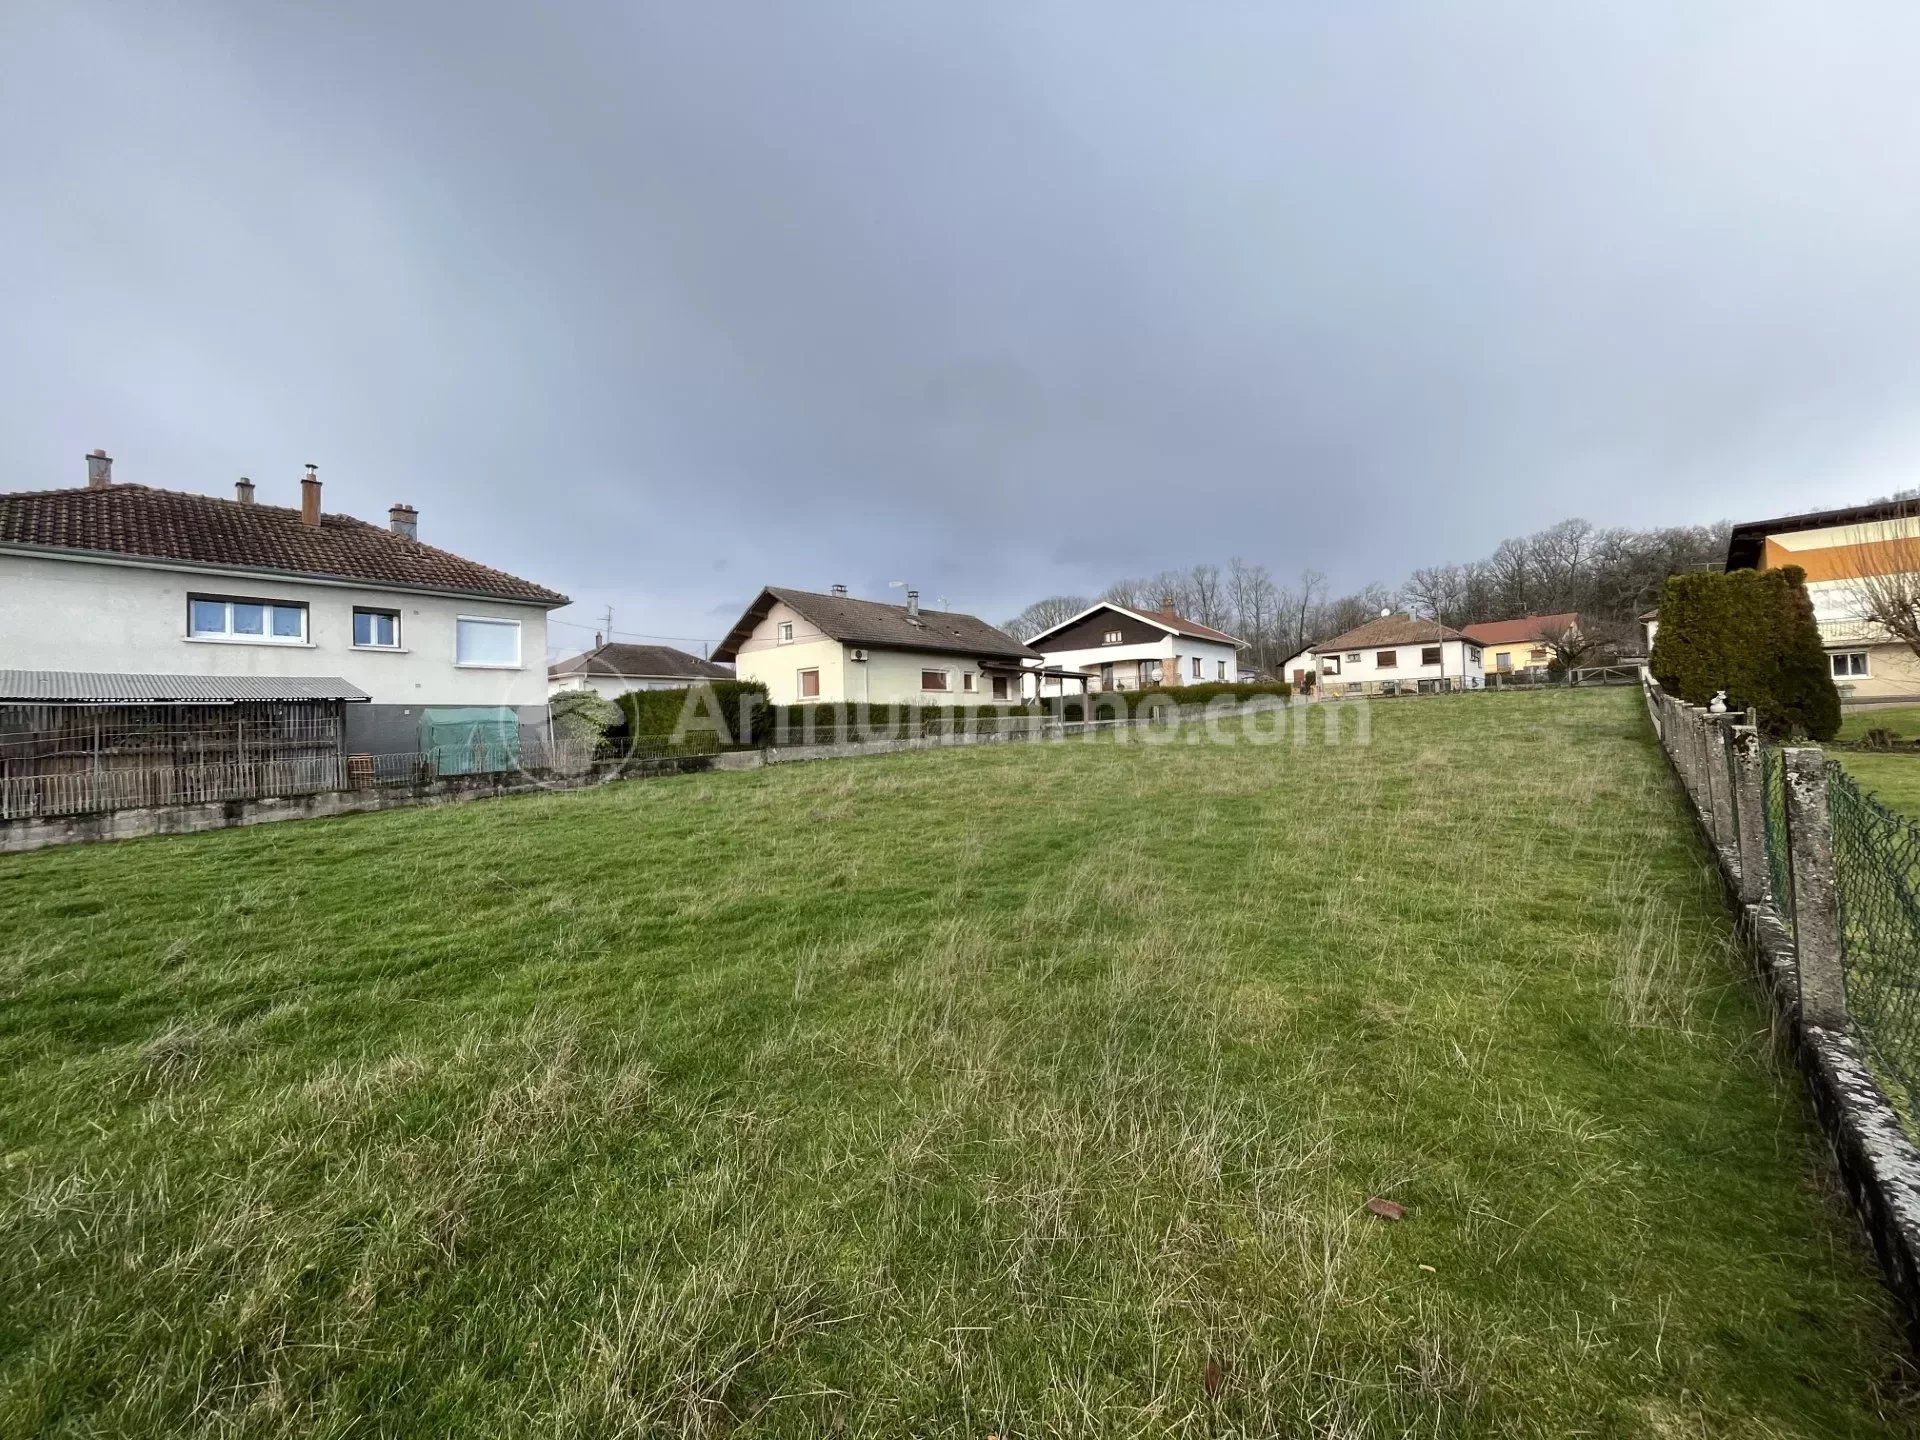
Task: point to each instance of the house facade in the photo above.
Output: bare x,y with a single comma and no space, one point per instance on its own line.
610,671
1118,647
130,581
1398,654
810,648
1519,647
1843,552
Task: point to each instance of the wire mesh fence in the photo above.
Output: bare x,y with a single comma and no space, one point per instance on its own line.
1876,861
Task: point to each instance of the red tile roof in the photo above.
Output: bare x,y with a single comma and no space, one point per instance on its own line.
1390,630
1518,632
1177,622
140,522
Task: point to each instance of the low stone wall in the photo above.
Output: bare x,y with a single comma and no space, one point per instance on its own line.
1878,1163
42,832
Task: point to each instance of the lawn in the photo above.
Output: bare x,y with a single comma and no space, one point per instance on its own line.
1030,1091
1903,721
1894,777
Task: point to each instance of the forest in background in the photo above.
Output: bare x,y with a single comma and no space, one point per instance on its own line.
1606,575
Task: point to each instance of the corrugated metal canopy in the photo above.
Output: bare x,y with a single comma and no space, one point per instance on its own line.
83,687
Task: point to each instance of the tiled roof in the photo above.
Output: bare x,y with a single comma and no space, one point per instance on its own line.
649,662
881,625
1184,626
1391,630
1518,632
45,687
171,525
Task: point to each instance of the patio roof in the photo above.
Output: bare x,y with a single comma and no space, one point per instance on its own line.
86,687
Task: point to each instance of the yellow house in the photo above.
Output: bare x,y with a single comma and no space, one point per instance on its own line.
1857,561
1517,647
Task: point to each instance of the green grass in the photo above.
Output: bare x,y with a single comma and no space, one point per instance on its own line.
1894,778
1902,720
1032,1090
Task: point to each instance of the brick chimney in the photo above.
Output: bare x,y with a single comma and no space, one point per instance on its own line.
243,490
99,470
310,496
840,590
404,521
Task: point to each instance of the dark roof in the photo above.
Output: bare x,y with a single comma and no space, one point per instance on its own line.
141,522
879,625
47,687
1391,630
1165,619
647,662
1517,632
1748,542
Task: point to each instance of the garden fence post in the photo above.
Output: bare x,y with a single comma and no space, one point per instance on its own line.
1816,902
1713,751
1749,813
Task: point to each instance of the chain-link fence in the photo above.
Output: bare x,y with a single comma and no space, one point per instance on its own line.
1876,864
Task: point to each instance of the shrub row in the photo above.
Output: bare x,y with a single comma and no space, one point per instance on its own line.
737,712
1752,634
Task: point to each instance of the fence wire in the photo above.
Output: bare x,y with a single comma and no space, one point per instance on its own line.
1876,861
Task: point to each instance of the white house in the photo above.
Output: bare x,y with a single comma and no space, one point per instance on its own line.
809,648
610,671
125,581
1397,654
1121,648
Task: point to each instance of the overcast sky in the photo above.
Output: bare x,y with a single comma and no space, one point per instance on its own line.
657,303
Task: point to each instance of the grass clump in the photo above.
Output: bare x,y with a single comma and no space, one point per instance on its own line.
1027,1090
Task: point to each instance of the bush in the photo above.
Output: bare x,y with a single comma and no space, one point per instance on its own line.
711,715
581,719
1752,634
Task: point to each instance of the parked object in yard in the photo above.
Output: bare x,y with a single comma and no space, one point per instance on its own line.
611,670
809,648
136,581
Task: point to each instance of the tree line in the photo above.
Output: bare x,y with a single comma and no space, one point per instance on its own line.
1605,575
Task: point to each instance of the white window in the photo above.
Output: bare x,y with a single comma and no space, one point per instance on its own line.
1849,664
252,622
1353,657
486,644
933,680
376,629
785,632
1112,637
966,681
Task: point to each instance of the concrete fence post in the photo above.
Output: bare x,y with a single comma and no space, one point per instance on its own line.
1816,901
1713,759
1750,815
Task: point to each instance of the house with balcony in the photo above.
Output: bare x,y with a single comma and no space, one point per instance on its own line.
1120,647
128,597
1399,655
1860,562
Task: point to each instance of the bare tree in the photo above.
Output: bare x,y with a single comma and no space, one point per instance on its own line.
1134,594
1439,593
1255,602
1879,565
1205,598
1043,615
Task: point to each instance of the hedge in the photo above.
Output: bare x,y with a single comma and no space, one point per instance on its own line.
715,718
1752,634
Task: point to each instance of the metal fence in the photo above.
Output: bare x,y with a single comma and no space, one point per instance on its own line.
1838,870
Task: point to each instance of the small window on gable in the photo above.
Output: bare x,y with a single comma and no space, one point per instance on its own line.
785,632
1430,655
1112,637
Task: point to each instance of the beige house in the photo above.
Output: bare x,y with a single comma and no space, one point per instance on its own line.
808,648
1858,561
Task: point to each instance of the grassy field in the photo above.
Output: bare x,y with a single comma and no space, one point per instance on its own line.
1902,720
1032,1091
1894,778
